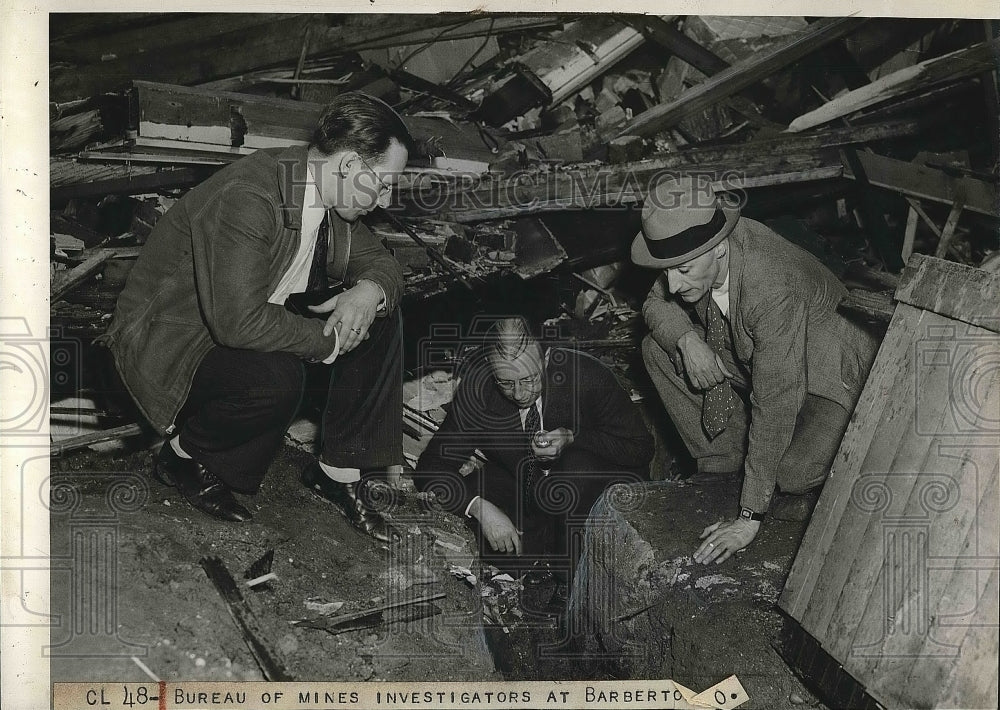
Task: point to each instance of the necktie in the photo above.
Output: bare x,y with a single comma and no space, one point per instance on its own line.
532,423
720,401
317,270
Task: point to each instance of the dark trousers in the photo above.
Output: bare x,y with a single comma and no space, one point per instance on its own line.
552,516
242,402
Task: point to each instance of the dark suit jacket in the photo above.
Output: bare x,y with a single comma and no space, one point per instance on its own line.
205,274
579,393
786,331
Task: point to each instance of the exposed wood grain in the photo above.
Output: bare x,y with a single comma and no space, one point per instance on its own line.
956,291
64,281
78,442
893,359
927,74
740,75
928,183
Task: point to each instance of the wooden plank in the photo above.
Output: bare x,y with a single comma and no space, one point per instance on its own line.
948,231
205,116
917,209
909,235
928,183
741,75
953,290
957,598
78,442
65,281
677,43
163,36
894,360
848,560
279,42
955,65
884,557
269,663
765,162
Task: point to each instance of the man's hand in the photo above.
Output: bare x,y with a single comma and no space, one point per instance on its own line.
497,527
702,365
351,313
724,539
555,441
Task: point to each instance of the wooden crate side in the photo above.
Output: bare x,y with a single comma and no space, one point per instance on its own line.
878,497
890,366
926,582
834,499
899,489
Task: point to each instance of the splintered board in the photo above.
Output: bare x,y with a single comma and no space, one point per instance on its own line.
897,575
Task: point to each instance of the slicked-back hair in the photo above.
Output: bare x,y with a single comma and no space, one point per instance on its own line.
507,338
359,122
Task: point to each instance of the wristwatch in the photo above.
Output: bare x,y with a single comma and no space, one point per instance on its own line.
750,515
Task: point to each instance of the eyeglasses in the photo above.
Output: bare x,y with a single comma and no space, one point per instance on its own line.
526,382
383,187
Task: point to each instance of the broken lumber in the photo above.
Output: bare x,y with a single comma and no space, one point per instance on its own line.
276,42
956,65
217,573
767,162
65,281
205,118
740,75
928,183
334,623
78,442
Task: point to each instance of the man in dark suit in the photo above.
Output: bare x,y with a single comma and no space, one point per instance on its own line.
753,363
205,345
555,428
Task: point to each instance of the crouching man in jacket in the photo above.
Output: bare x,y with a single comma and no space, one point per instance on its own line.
205,345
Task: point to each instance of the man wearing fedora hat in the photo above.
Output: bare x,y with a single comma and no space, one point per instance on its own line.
753,363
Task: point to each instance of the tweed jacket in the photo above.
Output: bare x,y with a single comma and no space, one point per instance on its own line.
786,331
204,276
578,393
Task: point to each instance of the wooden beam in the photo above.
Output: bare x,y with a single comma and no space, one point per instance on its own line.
952,290
909,235
956,65
65,281
279,42
928,183
948,231
741,75
766,162
677,43
246,622
78,442
918,210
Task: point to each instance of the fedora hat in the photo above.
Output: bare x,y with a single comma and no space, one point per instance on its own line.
681,218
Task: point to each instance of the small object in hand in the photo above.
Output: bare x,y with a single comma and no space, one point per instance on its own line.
541,439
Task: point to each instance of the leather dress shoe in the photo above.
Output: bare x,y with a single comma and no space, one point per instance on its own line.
167,463
199,486
347,497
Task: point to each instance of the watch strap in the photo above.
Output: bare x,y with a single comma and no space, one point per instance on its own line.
750,515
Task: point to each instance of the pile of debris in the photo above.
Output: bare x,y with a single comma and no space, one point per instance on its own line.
538,136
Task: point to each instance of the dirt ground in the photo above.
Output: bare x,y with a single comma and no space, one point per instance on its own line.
127,582
132,584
